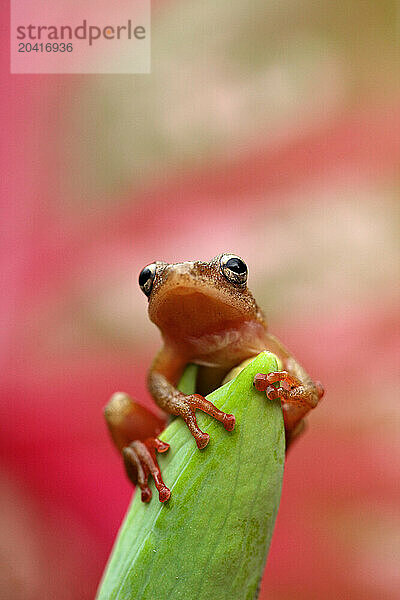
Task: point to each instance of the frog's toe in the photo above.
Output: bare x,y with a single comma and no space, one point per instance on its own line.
263,380
140,462
187,410
274,393
229,422
164,494
202,440
146,494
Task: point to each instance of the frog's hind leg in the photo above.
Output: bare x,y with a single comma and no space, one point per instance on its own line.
134,431
140,462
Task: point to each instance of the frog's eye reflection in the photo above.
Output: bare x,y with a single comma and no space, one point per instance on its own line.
234,269
146,278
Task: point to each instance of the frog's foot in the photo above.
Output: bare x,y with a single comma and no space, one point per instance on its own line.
291,390
186,408
140,462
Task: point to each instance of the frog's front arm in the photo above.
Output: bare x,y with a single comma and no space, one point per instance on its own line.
298,392
163,377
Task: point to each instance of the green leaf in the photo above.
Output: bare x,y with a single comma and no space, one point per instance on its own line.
211,539
187,384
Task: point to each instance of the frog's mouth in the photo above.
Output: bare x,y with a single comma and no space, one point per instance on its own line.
183,312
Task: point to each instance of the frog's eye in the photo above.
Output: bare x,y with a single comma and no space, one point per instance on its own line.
234,269
146,278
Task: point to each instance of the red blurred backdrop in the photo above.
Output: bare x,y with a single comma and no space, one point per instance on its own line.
277,139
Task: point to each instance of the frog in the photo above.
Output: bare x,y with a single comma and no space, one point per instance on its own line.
207,316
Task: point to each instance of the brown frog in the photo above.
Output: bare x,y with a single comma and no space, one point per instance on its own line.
207,316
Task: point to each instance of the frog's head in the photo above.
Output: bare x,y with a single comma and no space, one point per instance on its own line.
192,299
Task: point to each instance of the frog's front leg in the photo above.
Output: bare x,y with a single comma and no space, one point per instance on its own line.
165,372
134,431
297,391
185,406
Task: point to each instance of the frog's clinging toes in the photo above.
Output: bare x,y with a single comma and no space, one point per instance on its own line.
207,316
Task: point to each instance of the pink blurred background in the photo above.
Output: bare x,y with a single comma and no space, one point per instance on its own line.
271,130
